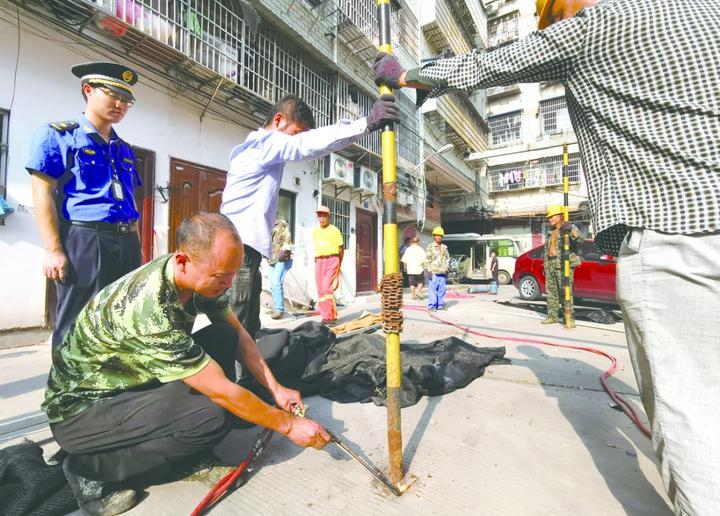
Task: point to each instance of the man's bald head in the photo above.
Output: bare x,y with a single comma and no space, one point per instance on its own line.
197,233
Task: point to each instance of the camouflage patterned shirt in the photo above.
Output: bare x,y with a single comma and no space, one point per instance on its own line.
281,240
437,259
132,333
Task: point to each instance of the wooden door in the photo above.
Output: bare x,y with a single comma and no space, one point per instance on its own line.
193,188
365,251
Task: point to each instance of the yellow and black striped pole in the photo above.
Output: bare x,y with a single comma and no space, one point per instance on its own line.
391,251
567,294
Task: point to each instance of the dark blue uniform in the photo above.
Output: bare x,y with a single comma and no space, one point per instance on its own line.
96,209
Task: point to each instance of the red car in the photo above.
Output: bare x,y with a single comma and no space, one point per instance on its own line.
594,277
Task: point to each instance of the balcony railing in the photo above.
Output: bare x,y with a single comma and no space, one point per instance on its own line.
543,173
357,20
210,34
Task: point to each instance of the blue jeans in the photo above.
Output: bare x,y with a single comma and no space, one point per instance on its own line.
277,276
436,291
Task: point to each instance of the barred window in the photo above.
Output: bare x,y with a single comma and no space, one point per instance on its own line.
554,116
546,172
4,120
503,29
339,216
505,128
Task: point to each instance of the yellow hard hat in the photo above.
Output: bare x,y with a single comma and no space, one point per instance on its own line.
438,231
556,209
542,8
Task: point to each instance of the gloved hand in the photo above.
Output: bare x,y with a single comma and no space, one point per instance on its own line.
566,226
382,112
387,70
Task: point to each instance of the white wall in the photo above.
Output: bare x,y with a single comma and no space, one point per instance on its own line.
47,91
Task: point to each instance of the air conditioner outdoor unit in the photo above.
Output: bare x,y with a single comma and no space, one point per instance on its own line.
366,180
338,170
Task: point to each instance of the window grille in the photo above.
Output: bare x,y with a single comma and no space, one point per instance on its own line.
503,29
554,116
505,128
546,172
339,216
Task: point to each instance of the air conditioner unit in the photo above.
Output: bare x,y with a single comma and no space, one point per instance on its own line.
338,170
366,180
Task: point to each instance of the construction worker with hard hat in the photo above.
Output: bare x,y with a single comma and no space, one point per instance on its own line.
641,80
553,263
437,261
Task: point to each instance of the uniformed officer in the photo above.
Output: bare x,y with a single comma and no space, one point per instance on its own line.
83,182
554,265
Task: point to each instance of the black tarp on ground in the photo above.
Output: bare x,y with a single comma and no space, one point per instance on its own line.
29,486
353,369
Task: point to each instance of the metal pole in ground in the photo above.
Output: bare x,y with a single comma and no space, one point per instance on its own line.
567,295
391,290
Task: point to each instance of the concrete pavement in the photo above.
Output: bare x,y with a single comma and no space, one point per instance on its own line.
534,437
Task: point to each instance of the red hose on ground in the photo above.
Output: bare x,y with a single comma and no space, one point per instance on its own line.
229,480
626,407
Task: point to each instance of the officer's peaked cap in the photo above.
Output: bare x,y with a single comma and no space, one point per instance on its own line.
115,76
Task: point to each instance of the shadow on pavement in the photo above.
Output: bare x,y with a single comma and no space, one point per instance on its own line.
627,483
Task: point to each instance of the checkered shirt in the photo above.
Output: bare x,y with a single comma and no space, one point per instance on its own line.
642,81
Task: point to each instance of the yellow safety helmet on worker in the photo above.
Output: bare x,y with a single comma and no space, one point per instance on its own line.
555,209
438,231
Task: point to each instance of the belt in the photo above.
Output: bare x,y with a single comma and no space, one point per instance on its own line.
118,227
326,256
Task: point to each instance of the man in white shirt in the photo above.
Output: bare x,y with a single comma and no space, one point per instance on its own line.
253,182
413,259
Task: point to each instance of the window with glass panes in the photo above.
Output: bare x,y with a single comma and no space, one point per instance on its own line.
286,210
554,116
505,128
339,216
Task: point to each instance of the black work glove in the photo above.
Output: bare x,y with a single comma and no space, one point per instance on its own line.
566,226
387,70
382,112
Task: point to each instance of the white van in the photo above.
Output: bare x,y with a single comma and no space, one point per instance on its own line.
472,252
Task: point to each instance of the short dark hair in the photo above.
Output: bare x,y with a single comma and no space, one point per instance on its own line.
197,233
294,108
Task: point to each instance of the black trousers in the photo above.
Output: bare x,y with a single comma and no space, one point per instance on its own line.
245,291
97,258
142,431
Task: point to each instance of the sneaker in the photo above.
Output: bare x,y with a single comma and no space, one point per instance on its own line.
97,497
443,308
549,320
277,315
329,322
432,309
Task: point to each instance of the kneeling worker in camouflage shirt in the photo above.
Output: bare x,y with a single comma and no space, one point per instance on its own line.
131,391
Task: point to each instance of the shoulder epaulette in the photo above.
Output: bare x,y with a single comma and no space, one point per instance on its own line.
61,127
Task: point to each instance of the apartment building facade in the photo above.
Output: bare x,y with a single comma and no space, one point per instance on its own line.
208,77
528,125
454,27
